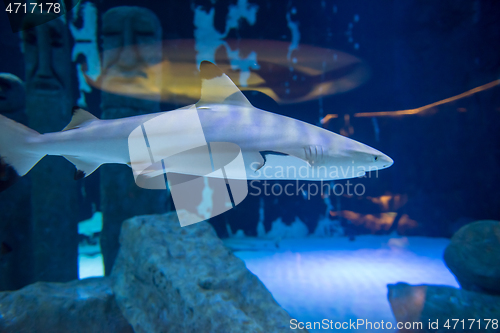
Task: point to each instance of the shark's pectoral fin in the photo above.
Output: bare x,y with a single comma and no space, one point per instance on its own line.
276,157
253,160
259,159
83,168
80,116
265,153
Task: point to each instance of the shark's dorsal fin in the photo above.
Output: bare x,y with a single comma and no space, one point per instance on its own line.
217,87
80,116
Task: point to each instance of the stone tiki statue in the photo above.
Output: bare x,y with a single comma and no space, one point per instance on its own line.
130,82
50,84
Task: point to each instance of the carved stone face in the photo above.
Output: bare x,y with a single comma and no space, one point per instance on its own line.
47,54
12,94
131,53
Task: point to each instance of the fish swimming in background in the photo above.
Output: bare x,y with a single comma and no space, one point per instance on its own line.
272,146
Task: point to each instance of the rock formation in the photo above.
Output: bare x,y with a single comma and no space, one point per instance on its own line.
473,256
427,303
78,306
166,279
173,279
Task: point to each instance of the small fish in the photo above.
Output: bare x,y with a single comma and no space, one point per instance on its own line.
269,142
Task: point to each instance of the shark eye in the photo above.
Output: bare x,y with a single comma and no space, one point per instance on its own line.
375,158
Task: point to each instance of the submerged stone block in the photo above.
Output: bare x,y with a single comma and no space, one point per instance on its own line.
78,306
173,279
427,308
473,256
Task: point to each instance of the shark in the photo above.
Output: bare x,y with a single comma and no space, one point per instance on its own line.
272,146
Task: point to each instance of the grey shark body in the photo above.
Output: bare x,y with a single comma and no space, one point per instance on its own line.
272,146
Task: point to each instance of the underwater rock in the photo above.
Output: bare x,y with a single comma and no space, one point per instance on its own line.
132,56
427,304
173,279
77,306
473,256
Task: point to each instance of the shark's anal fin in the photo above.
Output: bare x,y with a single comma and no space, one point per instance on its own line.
83,168
80,116
217,87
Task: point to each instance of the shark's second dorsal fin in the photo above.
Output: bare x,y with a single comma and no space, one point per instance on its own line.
216,87
80,116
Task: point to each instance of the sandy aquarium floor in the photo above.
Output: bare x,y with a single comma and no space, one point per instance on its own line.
334,278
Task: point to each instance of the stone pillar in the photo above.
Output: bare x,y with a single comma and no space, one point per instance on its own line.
16,257
130,82
50,84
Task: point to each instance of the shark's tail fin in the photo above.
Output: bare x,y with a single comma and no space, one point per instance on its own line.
17,150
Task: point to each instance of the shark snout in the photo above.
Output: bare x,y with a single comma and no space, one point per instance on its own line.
386,161
378,159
